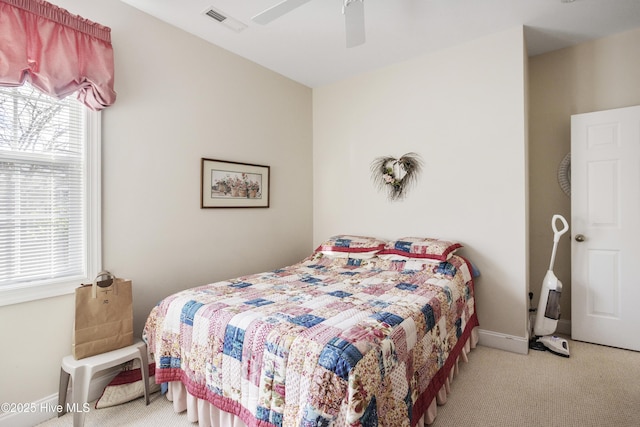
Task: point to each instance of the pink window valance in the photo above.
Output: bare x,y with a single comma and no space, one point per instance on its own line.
56,51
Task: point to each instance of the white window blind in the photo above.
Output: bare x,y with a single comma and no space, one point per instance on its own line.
47,244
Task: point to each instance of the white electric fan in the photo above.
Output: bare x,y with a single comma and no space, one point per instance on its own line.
353,11
548,311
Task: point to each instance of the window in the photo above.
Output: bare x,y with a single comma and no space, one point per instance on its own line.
49,194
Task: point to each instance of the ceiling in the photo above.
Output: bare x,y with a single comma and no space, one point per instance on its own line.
308,44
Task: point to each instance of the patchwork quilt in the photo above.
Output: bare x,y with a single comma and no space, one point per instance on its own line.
325,342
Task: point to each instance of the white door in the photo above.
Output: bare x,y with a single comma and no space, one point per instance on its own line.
605,227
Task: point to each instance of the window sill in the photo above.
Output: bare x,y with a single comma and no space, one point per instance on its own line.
38,291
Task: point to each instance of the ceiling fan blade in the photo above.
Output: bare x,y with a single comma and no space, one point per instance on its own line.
354,22
277,11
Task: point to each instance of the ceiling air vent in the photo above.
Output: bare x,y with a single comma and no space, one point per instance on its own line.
215,15
224,19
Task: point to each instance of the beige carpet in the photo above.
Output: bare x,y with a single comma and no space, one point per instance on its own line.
596,386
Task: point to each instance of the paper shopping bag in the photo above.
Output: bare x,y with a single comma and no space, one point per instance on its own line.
103,316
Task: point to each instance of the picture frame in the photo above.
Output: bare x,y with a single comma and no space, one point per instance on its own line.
227,184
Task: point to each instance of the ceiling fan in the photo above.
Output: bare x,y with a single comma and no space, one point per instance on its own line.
353,11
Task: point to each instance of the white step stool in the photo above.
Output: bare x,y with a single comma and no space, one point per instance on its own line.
81,372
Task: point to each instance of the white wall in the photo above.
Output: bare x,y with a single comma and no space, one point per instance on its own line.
598,75
463,111
179,99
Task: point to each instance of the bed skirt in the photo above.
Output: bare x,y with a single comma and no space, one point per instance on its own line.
207,415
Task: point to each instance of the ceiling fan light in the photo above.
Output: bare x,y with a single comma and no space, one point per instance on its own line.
277,11
354,22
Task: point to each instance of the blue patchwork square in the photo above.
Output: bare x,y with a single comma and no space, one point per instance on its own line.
388,318
406,286
349,273
233,340
240,285
354,262
403,246
429,318
262,413
276,418
446,268
189,311
343,243
259,302
169,362
370,416
409,403
274,349
340,294
379,304
310,279
307,320
311,418
447,292
339,356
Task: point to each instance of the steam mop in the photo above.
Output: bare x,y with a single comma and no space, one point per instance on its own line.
548,311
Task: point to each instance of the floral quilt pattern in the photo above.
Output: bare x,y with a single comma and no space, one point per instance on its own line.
325,342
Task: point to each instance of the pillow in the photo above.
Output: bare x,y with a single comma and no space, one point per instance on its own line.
351,244
421,247
126,386
396,257
353,255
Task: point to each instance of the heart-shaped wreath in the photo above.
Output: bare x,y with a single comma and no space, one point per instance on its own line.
396,175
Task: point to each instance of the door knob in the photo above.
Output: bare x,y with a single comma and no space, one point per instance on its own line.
579,238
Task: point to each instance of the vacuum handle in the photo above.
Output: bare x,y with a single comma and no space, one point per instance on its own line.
558,233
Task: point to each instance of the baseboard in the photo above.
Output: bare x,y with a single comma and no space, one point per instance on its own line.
33,413
517,344
505,342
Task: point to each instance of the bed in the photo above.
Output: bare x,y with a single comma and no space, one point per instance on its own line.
363,332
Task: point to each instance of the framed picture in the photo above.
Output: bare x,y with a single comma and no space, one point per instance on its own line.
233,185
